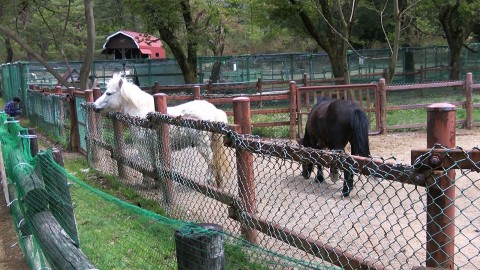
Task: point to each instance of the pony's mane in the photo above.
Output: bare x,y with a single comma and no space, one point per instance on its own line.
130,92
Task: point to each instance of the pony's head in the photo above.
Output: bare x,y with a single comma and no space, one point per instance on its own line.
126,97
112,99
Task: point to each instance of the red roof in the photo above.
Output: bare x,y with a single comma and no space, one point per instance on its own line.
146,43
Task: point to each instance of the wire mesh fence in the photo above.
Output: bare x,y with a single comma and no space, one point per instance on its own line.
63,223
266,199
382,225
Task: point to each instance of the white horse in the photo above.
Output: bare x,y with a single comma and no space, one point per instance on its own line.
129,99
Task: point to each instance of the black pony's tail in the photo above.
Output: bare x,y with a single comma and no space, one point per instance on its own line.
359,141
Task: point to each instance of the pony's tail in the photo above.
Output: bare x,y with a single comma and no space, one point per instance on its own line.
359,141
221,159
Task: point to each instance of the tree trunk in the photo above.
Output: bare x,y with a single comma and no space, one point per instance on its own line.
454,62
8,50
328,39
339,63
215,75
217,47
396,43
7,32
90,49
187,63
455,34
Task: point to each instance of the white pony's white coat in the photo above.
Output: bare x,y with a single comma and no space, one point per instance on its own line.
129,99
140,103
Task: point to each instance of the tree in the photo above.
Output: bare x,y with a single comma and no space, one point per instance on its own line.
454,21
457,19
329,23
90,45
401,21
53,24
185,26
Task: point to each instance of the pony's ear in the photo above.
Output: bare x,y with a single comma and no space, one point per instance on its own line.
120,83
124,92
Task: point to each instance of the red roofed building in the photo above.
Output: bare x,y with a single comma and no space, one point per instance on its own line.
133,45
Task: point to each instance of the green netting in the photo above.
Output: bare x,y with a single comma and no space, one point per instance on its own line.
63,223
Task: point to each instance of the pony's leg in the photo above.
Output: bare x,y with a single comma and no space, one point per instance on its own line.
220,160
307,170
334,174
308,167
348,183
319,178
204,148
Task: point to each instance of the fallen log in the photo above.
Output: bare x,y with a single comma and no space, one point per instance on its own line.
58,247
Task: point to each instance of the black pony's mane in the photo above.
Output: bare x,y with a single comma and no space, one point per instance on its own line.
323,99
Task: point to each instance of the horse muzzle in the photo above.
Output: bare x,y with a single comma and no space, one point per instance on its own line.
96,109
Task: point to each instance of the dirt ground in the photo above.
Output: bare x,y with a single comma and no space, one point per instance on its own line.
11,255
397,145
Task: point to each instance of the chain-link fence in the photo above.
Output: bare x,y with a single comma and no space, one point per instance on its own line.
263,196
63,223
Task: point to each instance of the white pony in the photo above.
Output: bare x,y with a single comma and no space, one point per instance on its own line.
129,99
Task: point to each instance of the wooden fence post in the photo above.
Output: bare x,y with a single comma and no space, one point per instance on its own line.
3,177
57,90
441,195
92,126
156,88
246,180
382,106
259,90
60,201
293,110
32,134
298,109
163,140
74,133
119,146
89,95
61,110
196,92
468,101
422,74
97,92
210,87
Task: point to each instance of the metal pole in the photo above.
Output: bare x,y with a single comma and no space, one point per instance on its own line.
441,195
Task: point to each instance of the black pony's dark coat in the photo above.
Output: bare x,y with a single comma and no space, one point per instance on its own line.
331,125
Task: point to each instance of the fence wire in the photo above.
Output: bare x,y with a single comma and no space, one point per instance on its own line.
63,223
381,225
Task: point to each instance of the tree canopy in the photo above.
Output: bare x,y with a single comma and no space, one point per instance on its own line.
59,30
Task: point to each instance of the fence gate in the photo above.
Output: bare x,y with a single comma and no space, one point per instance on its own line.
367,95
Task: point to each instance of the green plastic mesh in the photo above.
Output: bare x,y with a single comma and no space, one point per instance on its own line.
63,223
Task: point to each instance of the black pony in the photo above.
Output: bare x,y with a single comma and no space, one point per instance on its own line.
331,124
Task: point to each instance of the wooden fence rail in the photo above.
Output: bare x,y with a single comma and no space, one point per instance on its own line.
242,206
372,97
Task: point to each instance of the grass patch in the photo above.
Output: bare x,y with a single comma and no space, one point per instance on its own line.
114,238
109,231
79,168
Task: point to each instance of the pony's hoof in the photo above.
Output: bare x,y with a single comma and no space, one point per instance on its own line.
305,175
346,192
318,180
210,182
335,177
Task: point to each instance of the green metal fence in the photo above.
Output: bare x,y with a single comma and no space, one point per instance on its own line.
365,66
